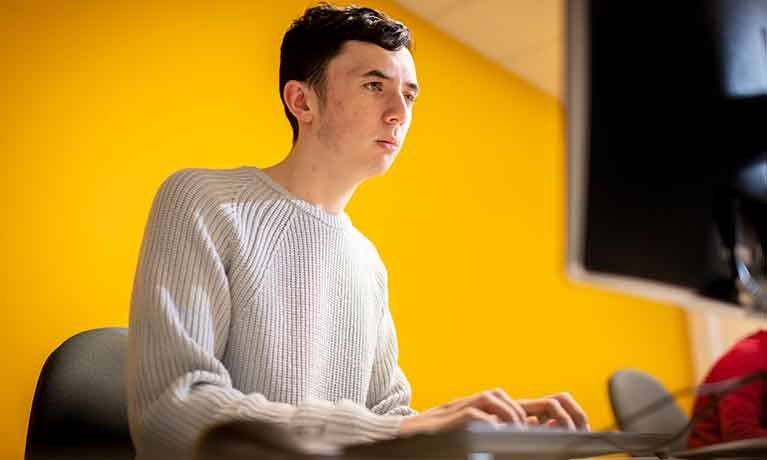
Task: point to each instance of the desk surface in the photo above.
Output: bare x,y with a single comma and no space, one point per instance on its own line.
744,448
248,440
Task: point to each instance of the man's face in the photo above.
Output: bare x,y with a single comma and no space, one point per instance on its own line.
367,109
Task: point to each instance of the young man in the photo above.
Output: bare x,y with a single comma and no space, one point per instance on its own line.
256,298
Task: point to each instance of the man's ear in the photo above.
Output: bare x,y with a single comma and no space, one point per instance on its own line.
298,97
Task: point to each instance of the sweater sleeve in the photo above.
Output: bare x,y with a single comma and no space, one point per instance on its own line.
177,386
390,390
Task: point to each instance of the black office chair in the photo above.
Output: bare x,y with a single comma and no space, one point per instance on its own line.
79,409
632,391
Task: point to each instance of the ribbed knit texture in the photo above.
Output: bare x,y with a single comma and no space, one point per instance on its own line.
249,303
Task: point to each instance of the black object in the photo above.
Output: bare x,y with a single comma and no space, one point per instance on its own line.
79,409
245,440
667,164
743,449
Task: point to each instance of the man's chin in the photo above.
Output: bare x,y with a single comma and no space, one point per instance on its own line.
383,166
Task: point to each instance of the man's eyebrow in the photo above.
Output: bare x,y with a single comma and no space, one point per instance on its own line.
377,73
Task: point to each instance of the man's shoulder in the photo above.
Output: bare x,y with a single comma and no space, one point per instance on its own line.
207,182
211,194
213,188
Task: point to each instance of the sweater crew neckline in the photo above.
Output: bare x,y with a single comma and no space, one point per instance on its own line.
339,220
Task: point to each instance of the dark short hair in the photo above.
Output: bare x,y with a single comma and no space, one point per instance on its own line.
317,37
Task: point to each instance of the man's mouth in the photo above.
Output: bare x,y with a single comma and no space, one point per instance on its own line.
389,143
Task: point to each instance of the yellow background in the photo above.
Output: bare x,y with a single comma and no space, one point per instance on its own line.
100,101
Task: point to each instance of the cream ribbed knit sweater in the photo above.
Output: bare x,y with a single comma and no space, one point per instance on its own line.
250,303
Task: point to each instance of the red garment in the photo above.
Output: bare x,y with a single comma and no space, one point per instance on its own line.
741,413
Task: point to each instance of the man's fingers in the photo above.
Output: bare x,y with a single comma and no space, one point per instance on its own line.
467,415
567,403
572,407
488,402
492,404
550,408
558,413
515,406
496,407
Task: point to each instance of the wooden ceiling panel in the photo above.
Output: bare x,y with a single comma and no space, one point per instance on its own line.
523,36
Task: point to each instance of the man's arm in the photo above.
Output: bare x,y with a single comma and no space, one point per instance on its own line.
389,389
177,386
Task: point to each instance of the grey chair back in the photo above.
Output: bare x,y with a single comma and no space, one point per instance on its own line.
79,409
632,391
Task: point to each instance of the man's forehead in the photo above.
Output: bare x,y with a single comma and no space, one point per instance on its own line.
358,58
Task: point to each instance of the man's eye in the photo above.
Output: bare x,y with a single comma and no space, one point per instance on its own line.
410,97
373,86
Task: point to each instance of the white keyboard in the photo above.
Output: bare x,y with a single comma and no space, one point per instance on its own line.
551,443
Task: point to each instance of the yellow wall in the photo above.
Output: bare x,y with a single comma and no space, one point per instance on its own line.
99,101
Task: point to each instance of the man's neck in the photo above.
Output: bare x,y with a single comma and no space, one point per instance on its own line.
309,178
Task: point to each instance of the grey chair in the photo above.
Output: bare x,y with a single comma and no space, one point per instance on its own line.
79,409
642,404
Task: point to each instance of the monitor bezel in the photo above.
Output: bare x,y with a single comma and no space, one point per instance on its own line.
577,96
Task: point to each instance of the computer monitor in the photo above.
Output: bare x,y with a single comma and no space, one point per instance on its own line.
666,108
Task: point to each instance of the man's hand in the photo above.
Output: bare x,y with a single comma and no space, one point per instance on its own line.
496,407
559,410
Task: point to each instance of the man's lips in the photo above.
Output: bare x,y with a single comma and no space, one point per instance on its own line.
391,143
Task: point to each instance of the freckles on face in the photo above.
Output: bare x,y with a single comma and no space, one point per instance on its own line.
334,126
339,119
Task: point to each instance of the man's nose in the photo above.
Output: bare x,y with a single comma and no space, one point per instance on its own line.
398,110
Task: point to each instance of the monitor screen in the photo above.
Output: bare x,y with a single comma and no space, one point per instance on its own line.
667,149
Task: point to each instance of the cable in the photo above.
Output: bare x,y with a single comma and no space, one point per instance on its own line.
717,390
